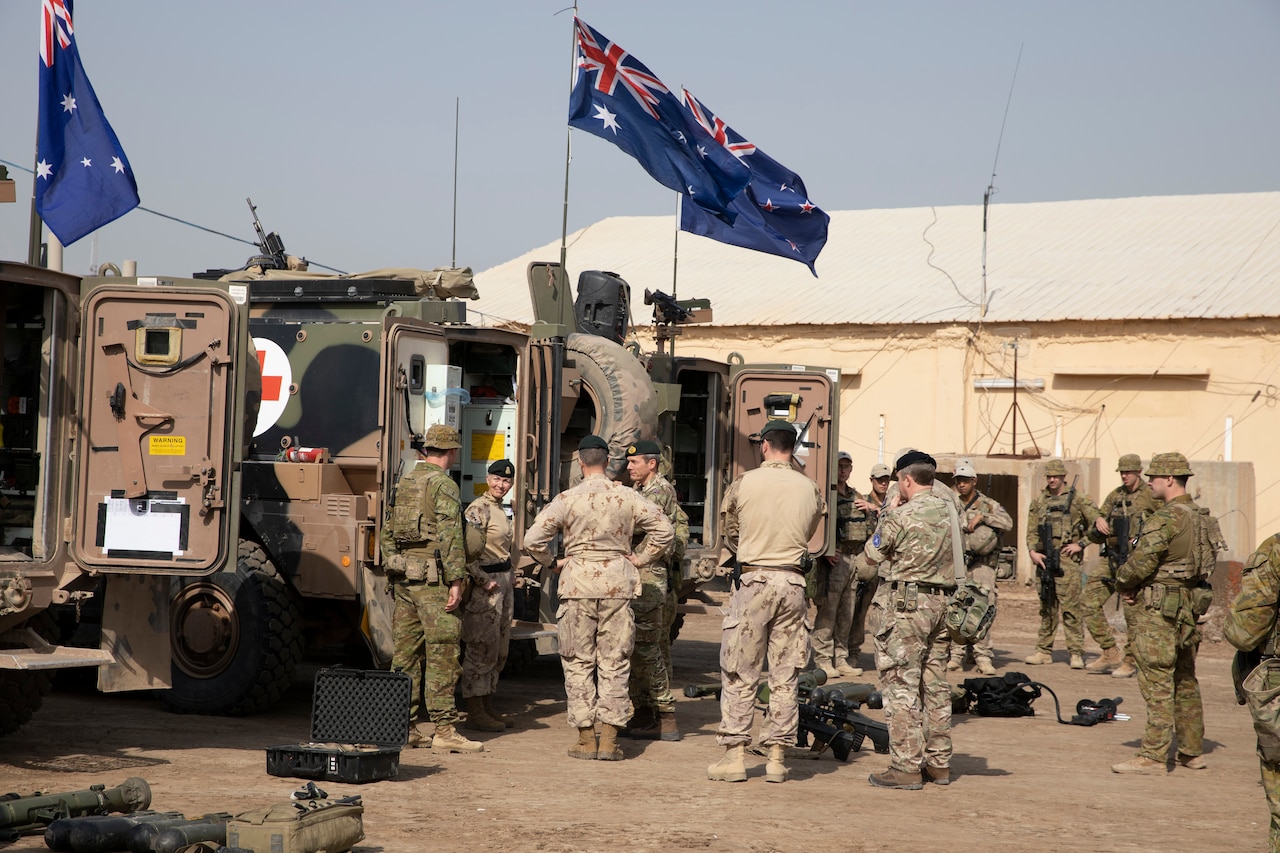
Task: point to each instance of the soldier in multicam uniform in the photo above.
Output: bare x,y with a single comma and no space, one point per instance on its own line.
1132,501
1071,516
866,574
486,621
913,544
983,521
598,580
834,619
654,609
768,517
1252,627
1160,579
424,559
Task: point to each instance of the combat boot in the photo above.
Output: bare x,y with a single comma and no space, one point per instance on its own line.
848,670
894,778
1126,669
732,767
1077,660
478,717
1038,657
417,737
1109,660
937,775
608,749
986,667
1192,762
662,727
956,663
1142,766
448,740
493,712
643,724
775,770
585,748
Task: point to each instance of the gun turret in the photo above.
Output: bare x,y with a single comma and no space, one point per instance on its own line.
19,815
665,308
273,256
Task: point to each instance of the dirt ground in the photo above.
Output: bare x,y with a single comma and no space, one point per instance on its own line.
1025,783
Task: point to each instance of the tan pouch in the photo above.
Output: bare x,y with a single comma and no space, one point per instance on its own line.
306,826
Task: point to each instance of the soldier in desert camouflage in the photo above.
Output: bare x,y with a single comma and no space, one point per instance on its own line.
654,609
913,544
768,517
598,580
486,622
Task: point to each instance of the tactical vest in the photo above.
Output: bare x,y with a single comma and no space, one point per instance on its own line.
853,526
1192,552
413,522
982,541
1057,511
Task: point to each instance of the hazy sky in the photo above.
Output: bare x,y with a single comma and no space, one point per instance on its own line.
338,117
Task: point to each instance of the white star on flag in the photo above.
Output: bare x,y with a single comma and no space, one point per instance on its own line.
86,162
610,119
68,103
768,205
43,169
116,164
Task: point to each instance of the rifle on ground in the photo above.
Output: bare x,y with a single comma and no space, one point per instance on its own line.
829,718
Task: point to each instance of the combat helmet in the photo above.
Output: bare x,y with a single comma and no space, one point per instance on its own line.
1169,465
1055,467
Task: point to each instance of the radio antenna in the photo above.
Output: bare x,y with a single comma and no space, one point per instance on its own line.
991,187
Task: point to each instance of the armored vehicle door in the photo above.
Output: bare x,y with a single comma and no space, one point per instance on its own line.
417,390
166,368
807,398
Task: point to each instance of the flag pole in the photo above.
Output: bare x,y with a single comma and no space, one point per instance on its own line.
453,253
675,247
35,230
568,151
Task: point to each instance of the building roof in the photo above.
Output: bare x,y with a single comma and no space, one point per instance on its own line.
1152,258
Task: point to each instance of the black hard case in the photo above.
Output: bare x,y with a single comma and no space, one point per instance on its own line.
359,723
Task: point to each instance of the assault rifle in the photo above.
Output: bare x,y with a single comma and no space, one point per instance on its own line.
1052,566
829,718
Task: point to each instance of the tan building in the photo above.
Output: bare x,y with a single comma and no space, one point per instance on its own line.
1135,325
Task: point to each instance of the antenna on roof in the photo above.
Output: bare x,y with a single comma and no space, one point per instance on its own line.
991,187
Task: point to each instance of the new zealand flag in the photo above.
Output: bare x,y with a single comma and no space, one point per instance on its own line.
773,214
83,179
617,98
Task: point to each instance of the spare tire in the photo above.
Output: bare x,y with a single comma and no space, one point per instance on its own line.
626,405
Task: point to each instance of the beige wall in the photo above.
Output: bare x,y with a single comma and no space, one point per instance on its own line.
1109,388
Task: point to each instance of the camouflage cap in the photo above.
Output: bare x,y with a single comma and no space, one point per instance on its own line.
441,437
1169,465
502,468
644,447
1055,468
593,442
879,470
1129,462
964,468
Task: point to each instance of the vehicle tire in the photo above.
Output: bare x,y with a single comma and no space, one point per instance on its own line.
236,638
23,691
626,408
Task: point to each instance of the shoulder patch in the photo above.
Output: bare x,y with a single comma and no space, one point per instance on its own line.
875,540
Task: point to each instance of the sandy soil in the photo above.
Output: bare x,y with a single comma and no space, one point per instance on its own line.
1020,784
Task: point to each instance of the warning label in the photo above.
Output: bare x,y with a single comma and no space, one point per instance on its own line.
167,445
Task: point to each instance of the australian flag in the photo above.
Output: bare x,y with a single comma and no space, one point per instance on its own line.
617,98
83,179
773,214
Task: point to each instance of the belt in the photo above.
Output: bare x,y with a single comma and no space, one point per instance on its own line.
751,568
931,588
494,568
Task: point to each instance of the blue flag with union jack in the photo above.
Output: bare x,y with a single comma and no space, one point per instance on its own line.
83,179
617,98
774,213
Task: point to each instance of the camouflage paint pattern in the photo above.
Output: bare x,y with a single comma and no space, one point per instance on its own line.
1164,646
596,636
441,498
1119,503
426,635
767,618
911,655
1251,624
864,594
486,618
833,620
